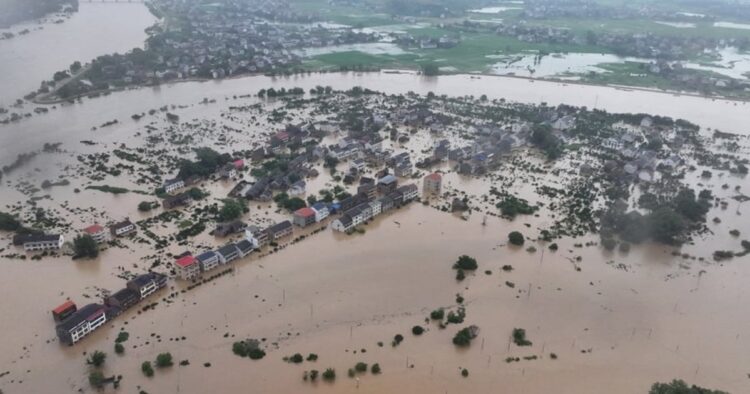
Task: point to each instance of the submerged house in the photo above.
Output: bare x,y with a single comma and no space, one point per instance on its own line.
123,228
81,323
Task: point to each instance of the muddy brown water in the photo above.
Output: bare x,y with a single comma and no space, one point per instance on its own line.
616,322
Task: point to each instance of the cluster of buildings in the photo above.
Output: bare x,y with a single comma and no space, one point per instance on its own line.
73,324
364,206
189,266
218,40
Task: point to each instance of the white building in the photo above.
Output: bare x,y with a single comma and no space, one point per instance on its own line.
34,243
173,184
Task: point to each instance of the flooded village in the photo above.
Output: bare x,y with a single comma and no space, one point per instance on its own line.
382,231
273,202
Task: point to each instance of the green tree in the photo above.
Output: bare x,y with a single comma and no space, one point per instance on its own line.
164,360
147,369
119,349
666,225
680,387
97,359
145,206
8,222
96,379
232,209
430,69
85,246
329,375
516,238
466,263
464,336
519,337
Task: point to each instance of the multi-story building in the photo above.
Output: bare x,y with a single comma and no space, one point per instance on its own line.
171,185
81,323
228,253
123,228
321,211
208,260
96,232
123,299
38,242
304,217
147,284
279,230
433,184
187,267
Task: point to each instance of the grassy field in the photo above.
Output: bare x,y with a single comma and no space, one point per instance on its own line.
471,55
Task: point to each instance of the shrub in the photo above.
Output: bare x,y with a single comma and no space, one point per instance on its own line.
147,369
375,369
240,349
351,372
465,372
361,367
312,357
507,268
516,238
464,336
460,275
96,379
437,314
122,337
456,317
680,387
519,337
553,247
164,360
97,359
119,349
466,263
397,339
329,375
256,354
417,330
296,358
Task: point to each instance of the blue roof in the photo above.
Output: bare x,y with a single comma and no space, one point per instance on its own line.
206,255
319,205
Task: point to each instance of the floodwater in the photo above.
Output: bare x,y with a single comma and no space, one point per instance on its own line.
732,25
374,48
732,63
73,122
617,323
555,64
96,29
494,10
679,25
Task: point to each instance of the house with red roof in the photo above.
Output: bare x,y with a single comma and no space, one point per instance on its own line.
187,267
64,310
304,217
97,232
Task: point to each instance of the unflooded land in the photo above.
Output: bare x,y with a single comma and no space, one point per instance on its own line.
596,315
